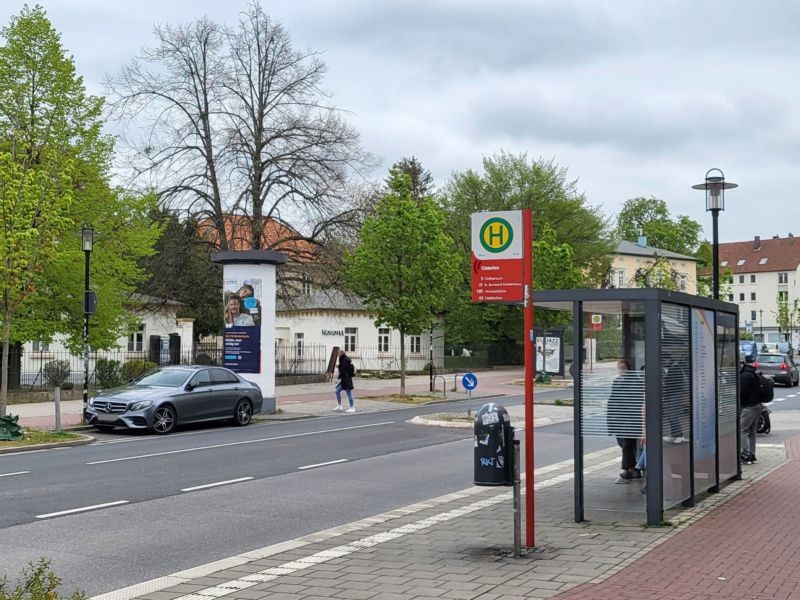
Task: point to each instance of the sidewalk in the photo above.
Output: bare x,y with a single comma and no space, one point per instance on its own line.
314,399
741,543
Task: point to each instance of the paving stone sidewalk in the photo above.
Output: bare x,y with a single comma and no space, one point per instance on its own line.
459,547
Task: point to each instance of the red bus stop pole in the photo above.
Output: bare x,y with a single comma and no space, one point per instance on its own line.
528,344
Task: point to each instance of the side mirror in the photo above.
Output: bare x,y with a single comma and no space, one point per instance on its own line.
189,387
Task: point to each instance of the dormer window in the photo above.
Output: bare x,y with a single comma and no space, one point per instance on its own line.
724,263
740,262
763,261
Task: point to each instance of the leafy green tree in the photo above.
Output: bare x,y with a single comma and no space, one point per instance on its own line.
554,268
55,170
514,182
651,217
786,313
405,267
658,274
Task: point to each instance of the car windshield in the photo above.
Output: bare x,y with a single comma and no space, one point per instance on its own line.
770,358
164,378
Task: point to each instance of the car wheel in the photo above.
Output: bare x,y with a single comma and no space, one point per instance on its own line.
243,413
164,420
764,424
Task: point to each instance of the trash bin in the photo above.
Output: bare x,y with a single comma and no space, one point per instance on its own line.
493,446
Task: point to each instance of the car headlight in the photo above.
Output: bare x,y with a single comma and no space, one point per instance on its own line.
141,405
91,402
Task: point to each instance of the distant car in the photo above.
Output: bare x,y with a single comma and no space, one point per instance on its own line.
780,367
168,396
747,348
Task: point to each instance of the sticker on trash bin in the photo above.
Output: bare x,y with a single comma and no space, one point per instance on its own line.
490,417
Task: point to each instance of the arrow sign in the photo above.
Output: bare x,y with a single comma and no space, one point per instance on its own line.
469,381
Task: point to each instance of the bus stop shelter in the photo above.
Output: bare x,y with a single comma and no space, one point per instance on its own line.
660,368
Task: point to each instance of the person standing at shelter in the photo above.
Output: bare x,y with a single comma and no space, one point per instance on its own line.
346,372
750,410
623,417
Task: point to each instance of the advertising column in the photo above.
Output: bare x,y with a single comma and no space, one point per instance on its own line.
248,316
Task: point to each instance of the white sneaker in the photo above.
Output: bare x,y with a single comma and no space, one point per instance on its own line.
338,407
351,409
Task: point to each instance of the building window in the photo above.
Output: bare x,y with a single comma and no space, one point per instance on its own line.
724,263
299,342
740,262
730,297
783,278
763,261
741,278
752,296
621,278
752,315
741,297
40,347
136,340
783,296
383,339
415,343
306,282
752,278
350,339
683,282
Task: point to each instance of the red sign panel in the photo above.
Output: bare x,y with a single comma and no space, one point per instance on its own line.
497,280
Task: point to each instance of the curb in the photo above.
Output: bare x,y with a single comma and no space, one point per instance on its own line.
87,439
541,422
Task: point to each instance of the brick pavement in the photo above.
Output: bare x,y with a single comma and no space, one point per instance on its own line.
459,547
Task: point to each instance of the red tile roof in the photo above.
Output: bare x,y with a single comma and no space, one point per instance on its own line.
782,254
275,235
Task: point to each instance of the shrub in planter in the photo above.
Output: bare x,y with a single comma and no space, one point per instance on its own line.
133,368
56,372
108,373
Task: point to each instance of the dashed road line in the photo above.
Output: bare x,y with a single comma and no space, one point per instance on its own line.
206,486
240,443
72,511
12,474
324,464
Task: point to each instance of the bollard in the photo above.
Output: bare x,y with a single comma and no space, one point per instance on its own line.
517,512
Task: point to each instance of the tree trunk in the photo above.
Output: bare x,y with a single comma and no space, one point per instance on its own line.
6,348
402,361
58,408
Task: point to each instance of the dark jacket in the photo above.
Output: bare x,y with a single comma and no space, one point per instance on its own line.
748,385
345,365
624,408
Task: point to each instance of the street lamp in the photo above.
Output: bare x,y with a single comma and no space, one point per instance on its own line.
87,241
715,186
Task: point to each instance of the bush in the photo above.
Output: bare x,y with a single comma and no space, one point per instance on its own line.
38,582
107,373
56,372
203,359
133,368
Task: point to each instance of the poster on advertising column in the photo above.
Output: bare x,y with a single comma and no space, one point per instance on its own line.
703,384
241,338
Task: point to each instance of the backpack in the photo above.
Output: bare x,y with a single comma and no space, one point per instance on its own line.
765,388
351,369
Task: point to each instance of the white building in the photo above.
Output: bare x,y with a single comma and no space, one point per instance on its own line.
158,319
763,271
317,322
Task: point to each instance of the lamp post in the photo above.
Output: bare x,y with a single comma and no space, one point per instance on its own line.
87,241
715,186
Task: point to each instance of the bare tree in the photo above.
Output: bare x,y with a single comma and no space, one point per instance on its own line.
237,129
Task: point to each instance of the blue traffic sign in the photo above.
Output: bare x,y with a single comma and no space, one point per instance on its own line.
469,381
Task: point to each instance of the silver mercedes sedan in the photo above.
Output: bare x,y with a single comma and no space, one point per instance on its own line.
168,396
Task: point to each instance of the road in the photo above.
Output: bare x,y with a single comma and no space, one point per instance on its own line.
125,510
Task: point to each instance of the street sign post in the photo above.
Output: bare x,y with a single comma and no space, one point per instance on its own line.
502,272
470,382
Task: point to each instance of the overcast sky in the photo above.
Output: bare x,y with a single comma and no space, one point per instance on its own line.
634,98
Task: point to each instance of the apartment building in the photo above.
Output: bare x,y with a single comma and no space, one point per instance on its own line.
632,261
762,272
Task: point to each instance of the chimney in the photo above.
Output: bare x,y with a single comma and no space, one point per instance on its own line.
776,237
790,235
757,243
642,241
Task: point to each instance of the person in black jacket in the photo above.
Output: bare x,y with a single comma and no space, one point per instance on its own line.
623,417
751,410
346,372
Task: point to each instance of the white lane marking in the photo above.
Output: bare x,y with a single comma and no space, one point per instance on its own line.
779,399
82,509
218,483
325,464
161,583
12,474
241,443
